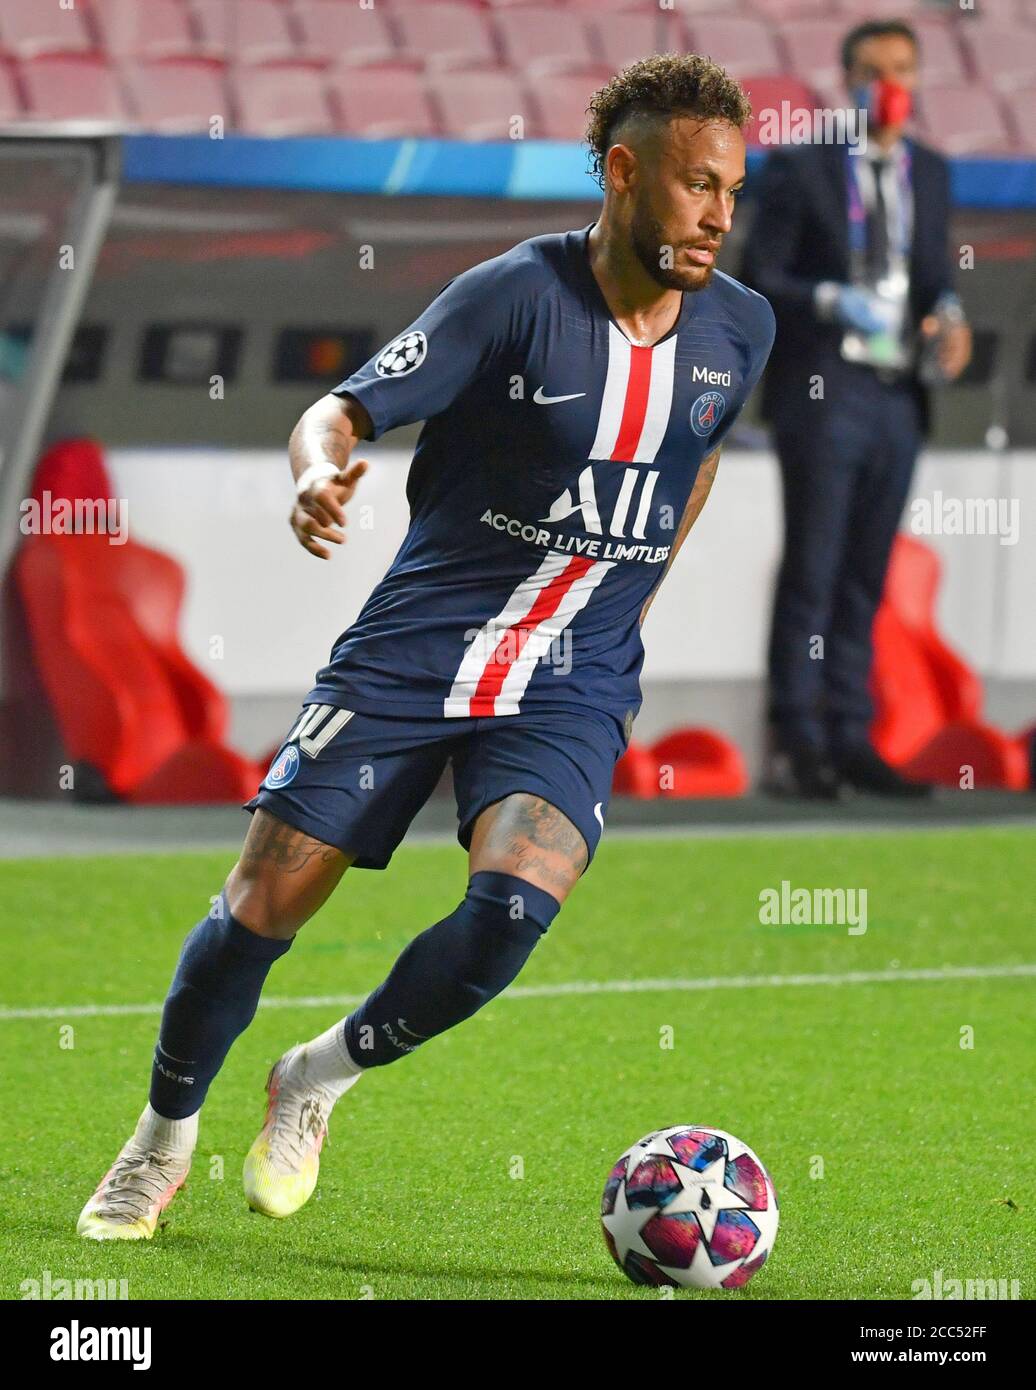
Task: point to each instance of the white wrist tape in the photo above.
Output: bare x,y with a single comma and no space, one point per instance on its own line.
315,473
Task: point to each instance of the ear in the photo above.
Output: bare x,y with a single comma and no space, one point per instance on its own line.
621,166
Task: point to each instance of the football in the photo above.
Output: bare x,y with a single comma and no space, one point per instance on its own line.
691,1207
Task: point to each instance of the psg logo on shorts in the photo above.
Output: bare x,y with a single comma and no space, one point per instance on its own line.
404,355
706,412
284,767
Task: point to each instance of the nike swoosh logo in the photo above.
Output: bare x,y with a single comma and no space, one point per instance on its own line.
541,399
597,813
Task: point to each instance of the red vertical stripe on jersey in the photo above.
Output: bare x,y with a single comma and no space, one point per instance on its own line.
509,648
634,408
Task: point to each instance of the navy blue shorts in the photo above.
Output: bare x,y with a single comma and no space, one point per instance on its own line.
356,781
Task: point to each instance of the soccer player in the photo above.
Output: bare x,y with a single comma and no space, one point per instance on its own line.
576,391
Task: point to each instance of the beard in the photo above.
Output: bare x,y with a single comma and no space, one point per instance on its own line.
652,250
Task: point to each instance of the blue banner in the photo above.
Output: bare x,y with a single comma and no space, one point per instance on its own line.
518,169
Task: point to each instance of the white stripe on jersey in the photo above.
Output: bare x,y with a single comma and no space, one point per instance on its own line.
537,646
614,400
480,652
660,401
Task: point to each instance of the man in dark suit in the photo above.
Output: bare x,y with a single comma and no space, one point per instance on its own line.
850,248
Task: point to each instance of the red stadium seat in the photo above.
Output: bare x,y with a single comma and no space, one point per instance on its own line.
344,35
1023,113
942,58
609,7
561,101
857,11
768,94
685,763
928,703
480,105
813,49
684,8
636,773
29,29
693,8
1006,12
621,39
157,29
245,31
10,106
1005,59
381,103
286,100
537,40
962,118
444,36
66,89
177,96
103,622
698,762
777,10
741,45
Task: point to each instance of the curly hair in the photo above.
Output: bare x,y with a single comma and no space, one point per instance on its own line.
669,84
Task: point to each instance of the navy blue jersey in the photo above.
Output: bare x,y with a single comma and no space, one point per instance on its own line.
546,488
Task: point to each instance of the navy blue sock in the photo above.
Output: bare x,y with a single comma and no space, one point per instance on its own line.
448,972
212,1000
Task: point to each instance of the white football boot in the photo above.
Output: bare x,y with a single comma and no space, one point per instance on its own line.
282,1166
138,1187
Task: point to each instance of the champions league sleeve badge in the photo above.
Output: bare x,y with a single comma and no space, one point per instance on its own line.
404,355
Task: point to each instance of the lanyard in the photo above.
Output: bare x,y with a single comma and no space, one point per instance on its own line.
900,244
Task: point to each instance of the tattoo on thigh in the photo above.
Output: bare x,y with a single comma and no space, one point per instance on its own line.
271,841
537,835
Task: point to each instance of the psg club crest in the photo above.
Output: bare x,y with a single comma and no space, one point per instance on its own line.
707,412
284,767
404,355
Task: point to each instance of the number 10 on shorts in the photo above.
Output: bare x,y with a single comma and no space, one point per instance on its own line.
315,730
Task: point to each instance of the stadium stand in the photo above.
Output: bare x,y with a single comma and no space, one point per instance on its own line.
142,65
344,35
160,29
444,36
387,103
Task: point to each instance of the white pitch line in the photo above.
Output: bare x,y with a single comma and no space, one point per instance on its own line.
329,1001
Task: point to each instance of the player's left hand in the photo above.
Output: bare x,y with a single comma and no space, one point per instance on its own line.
954,347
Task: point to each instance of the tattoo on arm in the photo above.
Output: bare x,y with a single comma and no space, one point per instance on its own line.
330,429
335,442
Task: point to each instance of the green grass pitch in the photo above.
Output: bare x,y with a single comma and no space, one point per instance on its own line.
474,1169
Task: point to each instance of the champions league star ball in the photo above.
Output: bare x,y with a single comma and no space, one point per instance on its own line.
404,355
689,1206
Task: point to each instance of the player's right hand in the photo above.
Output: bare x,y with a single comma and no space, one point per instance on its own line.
319,512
